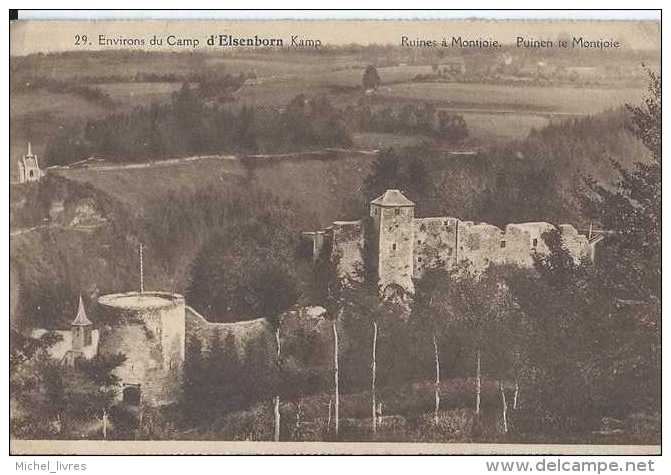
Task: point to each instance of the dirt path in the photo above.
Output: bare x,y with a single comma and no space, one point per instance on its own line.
96,164
19,232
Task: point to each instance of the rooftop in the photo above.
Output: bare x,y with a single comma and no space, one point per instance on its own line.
139,301
81,319
392,198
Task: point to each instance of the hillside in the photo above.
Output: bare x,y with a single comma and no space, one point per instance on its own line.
323,186
328,186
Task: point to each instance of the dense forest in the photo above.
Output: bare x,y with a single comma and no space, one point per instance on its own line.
191,125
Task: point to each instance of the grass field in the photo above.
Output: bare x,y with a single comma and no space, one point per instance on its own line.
139,93
388,75
325,188
136,186
371,140
112,63
529,98
501,127
270,67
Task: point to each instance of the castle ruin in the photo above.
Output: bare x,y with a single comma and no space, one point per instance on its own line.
404,246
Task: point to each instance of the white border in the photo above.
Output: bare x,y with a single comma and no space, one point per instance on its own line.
337,14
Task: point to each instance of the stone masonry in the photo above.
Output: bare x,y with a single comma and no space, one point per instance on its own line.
404,246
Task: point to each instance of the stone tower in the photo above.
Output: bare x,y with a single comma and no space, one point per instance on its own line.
29,168
81,329
392,215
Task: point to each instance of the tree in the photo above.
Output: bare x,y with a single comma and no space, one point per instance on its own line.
628,262
430,306
97,390
56,396
371,79
230,275
475,305
632,211
195,380
363,302
329,291
407,171
277,291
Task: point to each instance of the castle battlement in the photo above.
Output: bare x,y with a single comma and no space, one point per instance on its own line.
405,246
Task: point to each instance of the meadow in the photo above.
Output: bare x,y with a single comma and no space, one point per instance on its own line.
133,94
571,100
328,186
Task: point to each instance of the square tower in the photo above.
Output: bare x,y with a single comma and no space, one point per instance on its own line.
393,215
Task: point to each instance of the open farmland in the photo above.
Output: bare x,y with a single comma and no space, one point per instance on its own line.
493,113
502,127
351,77
573,100
133,94
101,64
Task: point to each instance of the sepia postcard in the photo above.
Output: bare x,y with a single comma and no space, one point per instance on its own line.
335,236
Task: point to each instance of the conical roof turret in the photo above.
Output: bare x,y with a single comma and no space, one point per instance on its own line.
81,319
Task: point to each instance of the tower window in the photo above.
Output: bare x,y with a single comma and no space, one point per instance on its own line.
393,247
419,241
503,244
397,211
534,243
419,259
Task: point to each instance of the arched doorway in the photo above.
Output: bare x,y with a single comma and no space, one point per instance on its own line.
394,293
132,394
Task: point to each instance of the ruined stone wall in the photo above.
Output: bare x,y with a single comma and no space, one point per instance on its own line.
575,242
347,241
243,332
316,241
443,242
435,243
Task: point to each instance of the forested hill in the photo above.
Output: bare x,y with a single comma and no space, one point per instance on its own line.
539,178
587,145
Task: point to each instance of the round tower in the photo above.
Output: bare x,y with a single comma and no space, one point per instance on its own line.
149,329
393,214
